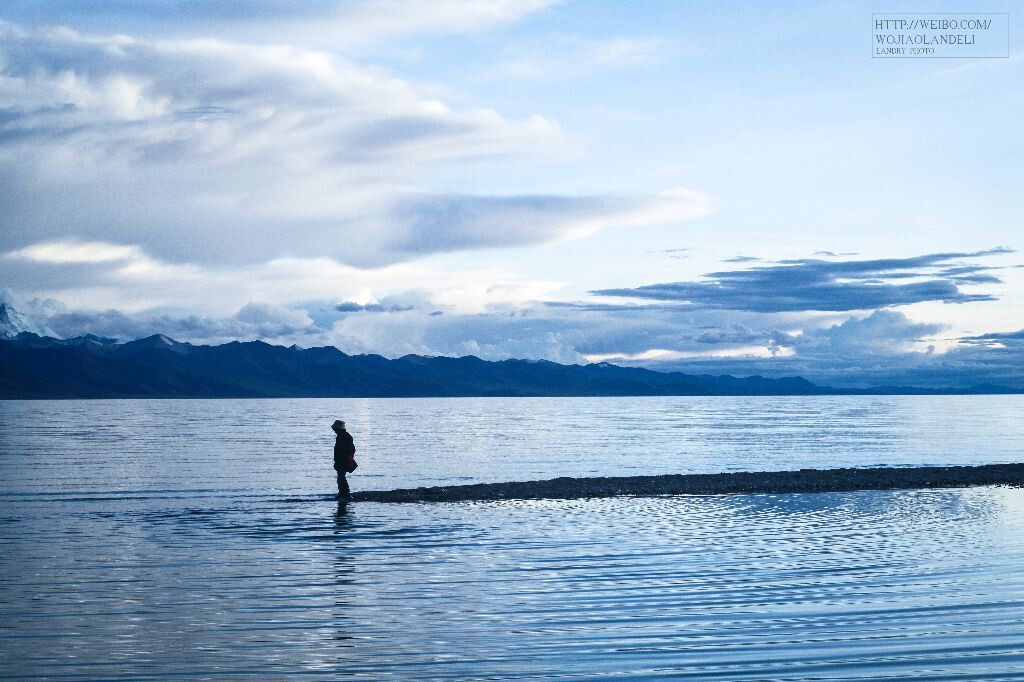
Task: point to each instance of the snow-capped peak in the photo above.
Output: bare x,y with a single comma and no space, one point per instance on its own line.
14,322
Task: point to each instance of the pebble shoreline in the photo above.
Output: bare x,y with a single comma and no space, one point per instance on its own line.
802,481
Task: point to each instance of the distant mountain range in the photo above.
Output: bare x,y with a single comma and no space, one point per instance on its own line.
34,366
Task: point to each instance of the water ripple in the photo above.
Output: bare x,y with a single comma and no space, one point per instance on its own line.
119,566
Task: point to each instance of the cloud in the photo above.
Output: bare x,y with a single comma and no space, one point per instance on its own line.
883,332
341,24
351,307
499,334
253,321
677,254
885,347
574,56
72,251
811,284
448,223
996,339
386,18
203,151
495,335
16,320
85,277
266,314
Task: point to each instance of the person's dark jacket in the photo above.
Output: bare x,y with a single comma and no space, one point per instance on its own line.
343,447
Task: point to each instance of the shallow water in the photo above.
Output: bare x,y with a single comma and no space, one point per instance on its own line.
285,445
192,539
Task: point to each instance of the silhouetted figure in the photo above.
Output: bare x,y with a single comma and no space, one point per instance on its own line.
344,457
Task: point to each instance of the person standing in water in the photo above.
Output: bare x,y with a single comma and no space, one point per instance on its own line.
344,457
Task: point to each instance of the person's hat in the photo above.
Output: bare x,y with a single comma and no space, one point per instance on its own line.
338,424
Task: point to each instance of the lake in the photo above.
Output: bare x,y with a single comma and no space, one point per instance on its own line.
194,539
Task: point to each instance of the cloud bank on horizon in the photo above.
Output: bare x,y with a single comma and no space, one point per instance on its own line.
505,179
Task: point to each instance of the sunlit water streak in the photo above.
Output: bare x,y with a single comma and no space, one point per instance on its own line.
192,539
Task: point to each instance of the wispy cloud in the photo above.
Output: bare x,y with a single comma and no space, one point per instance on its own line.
812,284
573,56
72,251
353,307
448,223
339,24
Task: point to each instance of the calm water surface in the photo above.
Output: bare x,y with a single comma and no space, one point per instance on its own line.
193,539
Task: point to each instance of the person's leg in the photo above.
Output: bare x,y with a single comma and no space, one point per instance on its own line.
343,491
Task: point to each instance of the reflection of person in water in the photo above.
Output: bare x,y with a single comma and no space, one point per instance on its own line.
344,457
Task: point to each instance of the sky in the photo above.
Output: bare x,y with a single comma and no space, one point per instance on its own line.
720,188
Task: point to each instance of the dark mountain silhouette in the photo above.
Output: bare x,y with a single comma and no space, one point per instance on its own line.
33,366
